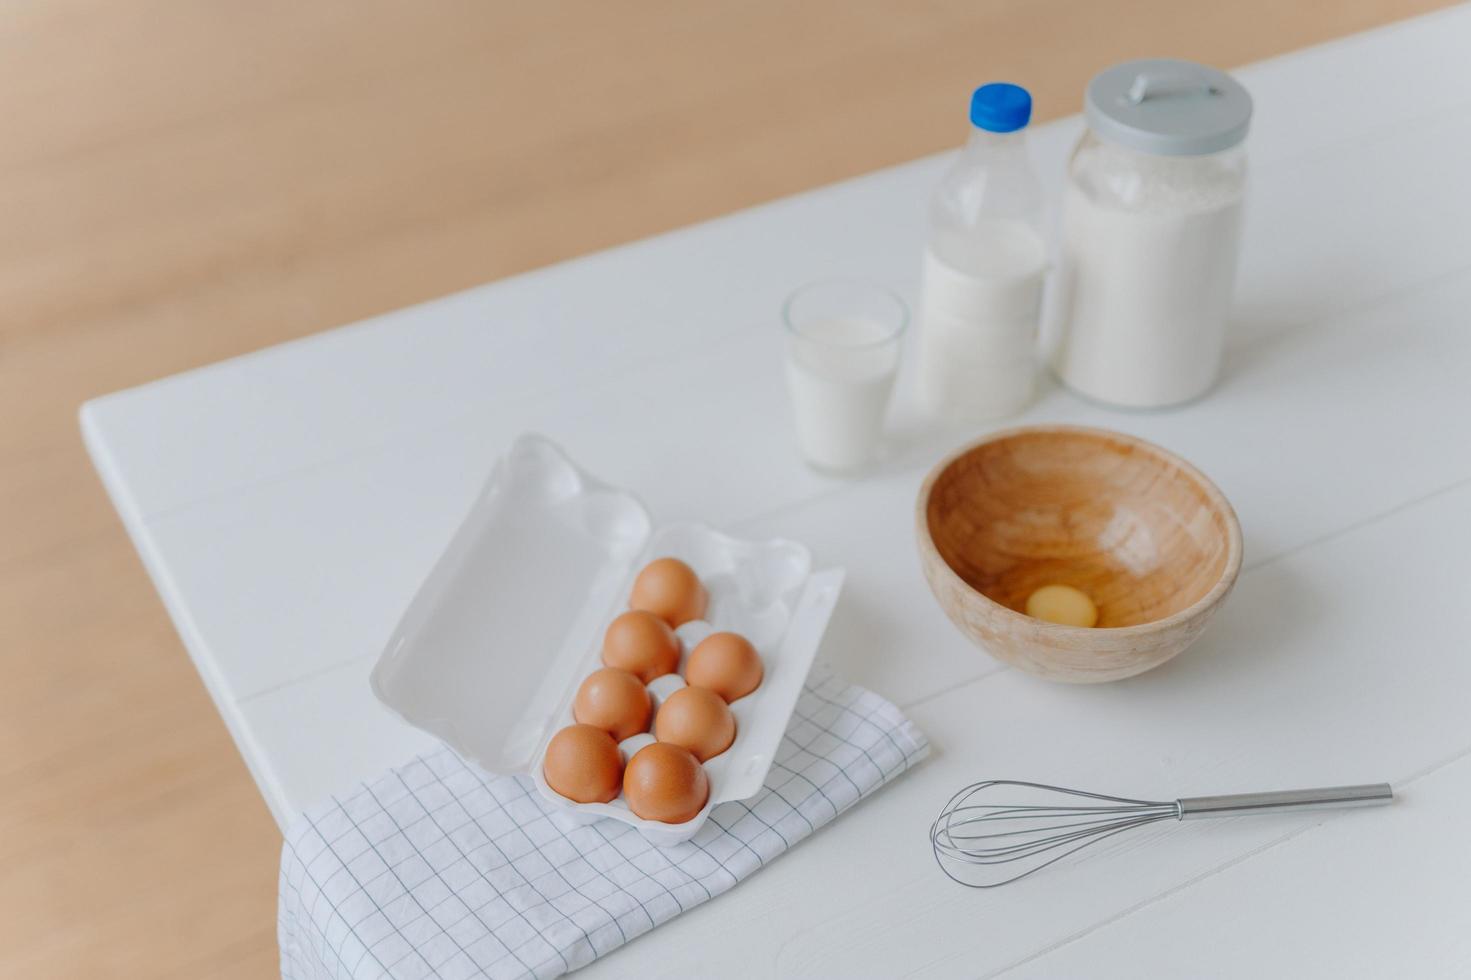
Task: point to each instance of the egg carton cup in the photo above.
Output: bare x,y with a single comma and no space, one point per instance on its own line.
492,649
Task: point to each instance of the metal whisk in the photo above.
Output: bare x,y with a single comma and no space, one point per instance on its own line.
1012,838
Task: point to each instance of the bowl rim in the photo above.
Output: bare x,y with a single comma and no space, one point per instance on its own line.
1213,493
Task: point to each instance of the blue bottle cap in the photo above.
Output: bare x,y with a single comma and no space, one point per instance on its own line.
1000,107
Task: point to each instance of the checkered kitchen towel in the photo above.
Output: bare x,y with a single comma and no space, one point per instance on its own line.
434,870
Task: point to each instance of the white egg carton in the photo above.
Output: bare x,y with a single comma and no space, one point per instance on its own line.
490,652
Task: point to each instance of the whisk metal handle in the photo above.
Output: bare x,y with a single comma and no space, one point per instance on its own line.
1372,794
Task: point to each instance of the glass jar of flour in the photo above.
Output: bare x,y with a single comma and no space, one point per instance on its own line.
1151,227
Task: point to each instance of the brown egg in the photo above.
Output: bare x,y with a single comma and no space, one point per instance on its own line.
582,763
615,701
726,663
642,644
665,783
696,719
671,590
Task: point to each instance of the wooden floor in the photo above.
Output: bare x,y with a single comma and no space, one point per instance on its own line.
185,181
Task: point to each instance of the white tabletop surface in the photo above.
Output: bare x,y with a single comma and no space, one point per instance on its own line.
287,504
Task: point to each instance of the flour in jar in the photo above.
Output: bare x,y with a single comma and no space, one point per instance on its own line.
1143,296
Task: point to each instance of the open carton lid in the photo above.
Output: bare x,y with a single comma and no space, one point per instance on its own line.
487,649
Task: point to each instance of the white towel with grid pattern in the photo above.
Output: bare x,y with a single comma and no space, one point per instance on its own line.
435,870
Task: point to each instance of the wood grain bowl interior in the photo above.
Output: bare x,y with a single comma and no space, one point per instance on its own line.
1141,533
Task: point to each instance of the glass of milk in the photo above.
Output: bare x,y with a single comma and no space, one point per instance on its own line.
842,341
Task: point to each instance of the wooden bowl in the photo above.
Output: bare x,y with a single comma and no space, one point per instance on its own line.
1141,531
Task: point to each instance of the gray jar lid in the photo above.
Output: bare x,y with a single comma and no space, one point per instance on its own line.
1168,107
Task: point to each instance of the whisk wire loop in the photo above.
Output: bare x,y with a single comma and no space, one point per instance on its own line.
981,834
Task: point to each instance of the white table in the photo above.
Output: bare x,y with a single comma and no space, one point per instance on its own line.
287,504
